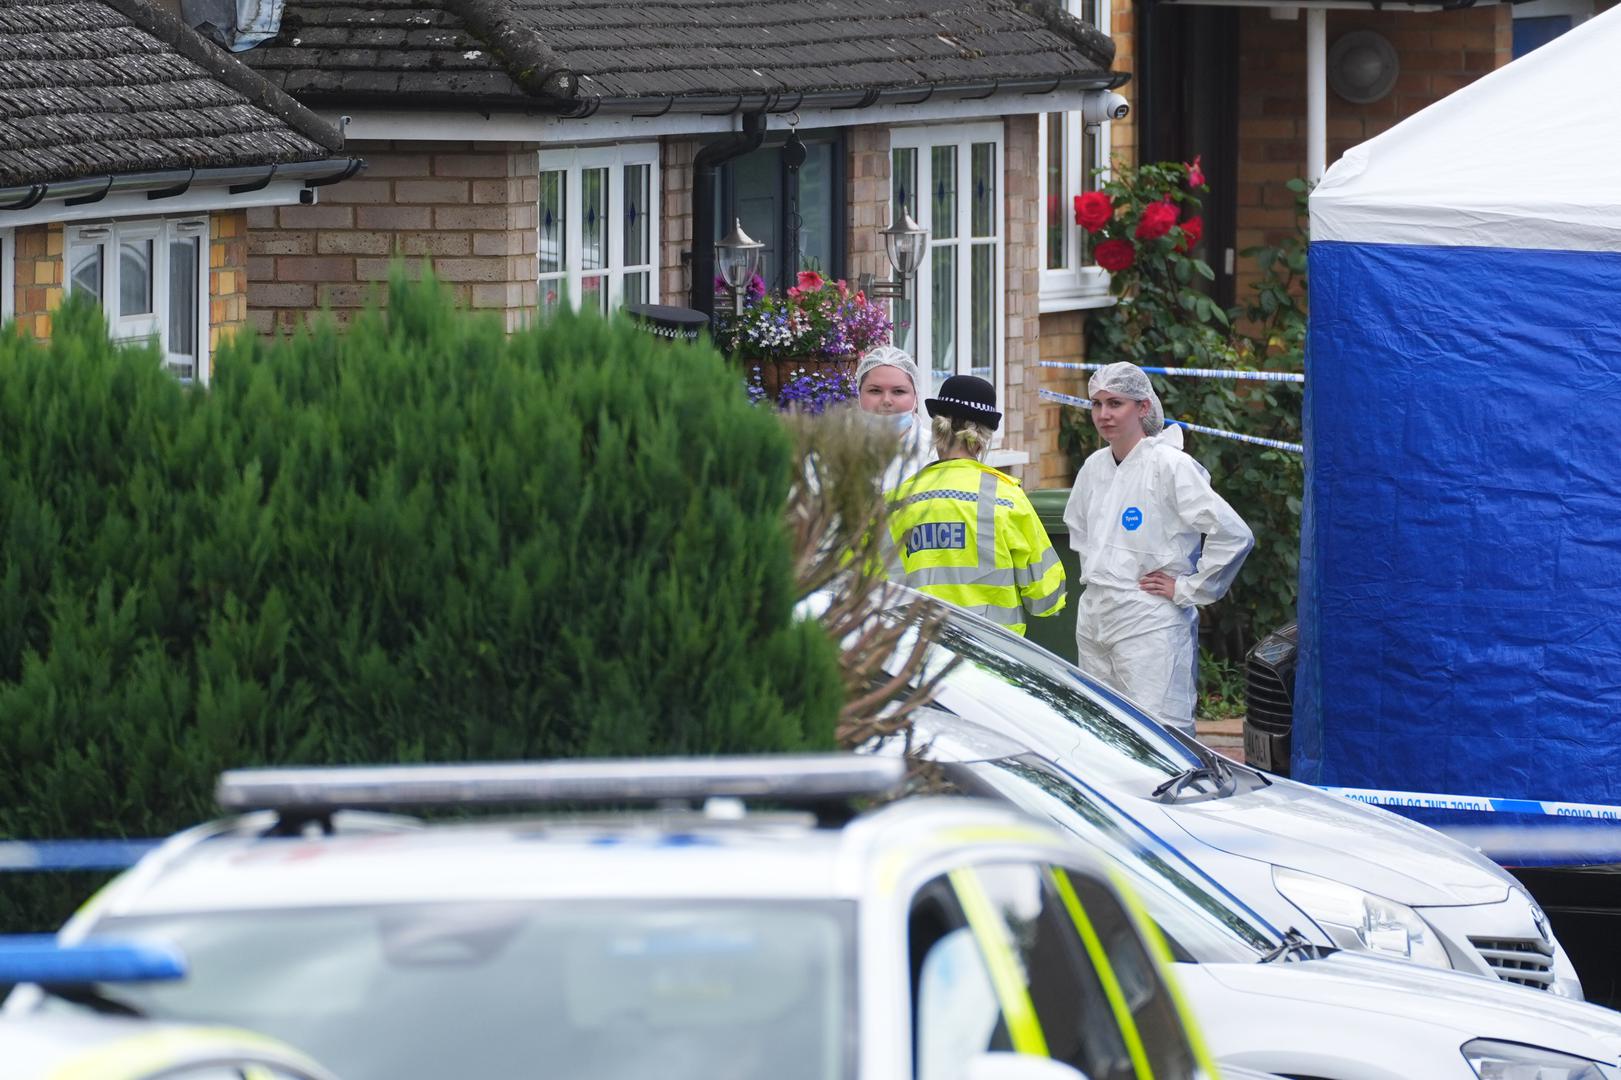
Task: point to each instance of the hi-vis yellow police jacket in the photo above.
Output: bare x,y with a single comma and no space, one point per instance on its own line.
966,534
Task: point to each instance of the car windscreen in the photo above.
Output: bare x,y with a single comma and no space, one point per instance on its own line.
498,991
1200,923
1007,685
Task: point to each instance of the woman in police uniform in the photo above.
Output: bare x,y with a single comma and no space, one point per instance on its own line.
964,532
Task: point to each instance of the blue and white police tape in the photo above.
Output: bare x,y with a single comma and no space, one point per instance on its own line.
1276,444
1194,372
1482,803
72,854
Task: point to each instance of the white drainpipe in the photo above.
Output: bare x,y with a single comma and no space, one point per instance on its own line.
1316,93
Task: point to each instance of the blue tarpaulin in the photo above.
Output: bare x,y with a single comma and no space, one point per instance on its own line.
1460,604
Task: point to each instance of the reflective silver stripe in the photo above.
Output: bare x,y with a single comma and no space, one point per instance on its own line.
956,494
1046,603
986,523
1002,616
958,575
1029,575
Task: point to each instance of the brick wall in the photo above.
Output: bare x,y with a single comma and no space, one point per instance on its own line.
1123,29
470,208
675,217
868,165
38,281
227,276
1062,340
1021,406
1439,52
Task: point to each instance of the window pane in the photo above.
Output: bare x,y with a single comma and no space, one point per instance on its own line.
183,299
1090,154
943,216
637,194
551,295
594,293
983,184
553,220
135,277
636,291
943,323
982,309
903,193
756,187
816,214
87,271
1058,201
594,238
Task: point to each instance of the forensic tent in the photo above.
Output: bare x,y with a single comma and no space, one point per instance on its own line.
1460,605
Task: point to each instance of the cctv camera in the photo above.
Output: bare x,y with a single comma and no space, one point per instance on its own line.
1100,105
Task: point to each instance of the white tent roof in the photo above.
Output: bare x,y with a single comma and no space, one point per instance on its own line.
1527,157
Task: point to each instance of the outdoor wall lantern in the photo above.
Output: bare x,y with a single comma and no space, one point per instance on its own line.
905,242
739,258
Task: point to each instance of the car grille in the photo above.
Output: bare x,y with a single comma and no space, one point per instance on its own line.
1266,700
1518,960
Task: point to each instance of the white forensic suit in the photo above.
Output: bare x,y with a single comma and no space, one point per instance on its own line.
1150,512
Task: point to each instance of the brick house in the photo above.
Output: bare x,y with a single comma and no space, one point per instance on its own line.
547,151
130,153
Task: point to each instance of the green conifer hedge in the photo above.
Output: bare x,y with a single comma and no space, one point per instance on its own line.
418,540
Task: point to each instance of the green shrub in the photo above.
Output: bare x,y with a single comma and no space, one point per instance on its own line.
419,540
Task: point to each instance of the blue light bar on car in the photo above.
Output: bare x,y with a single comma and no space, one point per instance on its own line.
782,778
40,958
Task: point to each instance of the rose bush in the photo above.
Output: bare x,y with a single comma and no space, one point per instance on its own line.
1146,231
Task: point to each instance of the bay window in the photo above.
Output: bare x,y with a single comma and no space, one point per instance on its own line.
1069,160
599,226
150,279
949,178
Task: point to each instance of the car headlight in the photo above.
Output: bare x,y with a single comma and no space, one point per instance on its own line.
1493,1060
1362,921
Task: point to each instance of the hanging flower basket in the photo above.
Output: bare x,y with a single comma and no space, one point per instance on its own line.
803,346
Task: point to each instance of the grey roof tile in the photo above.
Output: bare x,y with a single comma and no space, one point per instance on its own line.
98,87
526,49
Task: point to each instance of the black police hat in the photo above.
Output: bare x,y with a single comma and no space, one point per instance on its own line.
966,397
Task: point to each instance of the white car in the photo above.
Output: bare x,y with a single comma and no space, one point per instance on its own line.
1341,873
1272,1001
936,938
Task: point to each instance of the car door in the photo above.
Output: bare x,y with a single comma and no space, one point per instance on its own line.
1014,956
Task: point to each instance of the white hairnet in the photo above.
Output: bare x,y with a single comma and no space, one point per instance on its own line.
890,356
1130,381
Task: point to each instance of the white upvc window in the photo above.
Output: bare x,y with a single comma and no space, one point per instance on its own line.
1069,159
599,226
151,279
950,178
8,274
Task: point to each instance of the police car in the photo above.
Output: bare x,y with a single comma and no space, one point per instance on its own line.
96,1046
937,937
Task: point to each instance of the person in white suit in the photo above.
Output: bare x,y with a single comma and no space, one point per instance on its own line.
1155,543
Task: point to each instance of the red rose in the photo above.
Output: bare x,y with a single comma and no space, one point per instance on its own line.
1195,174
1093,210
1192,230
1115,255
810,281
1157,220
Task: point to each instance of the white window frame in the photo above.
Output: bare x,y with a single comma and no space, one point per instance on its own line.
1079,284
108,236
8,274
571,162
963,137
